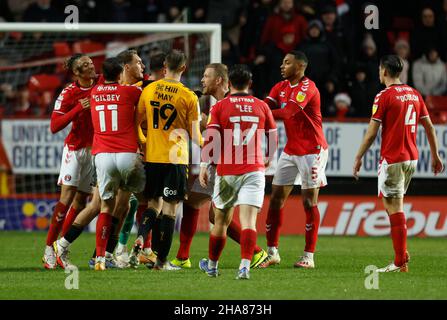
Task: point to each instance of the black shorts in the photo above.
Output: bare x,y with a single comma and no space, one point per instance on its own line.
166,180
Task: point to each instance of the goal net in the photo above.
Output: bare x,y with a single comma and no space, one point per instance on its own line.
31,77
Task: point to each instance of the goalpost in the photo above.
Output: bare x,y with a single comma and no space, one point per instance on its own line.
31,77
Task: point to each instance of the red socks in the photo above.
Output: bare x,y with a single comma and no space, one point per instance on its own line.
187,231
399,236
148,242
234,232
248,242
60,210
69,219
103,226
273,223
216,246
312,225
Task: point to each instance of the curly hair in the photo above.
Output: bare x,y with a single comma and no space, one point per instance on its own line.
70,62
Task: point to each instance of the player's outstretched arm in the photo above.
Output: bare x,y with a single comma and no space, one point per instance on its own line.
60,120
368,139
436,161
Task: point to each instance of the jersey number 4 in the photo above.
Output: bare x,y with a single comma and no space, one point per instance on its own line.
237,133
102,116
161,112
410,118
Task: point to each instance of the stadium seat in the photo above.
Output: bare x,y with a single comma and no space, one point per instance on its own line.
61,49
42,89
87,46
437,106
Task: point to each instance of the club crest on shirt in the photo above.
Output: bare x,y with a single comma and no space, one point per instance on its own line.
374,109
300,96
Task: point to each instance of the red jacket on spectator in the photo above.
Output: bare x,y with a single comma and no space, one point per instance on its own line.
284,34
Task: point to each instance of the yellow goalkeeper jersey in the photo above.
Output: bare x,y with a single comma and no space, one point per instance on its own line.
173,118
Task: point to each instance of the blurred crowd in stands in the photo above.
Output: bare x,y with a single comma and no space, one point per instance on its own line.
343,54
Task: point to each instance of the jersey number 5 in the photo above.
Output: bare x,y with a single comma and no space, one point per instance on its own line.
161,112
410,118
102,116
237,133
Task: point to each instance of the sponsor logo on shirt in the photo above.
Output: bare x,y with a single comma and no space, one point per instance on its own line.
375,106
67,177
168,192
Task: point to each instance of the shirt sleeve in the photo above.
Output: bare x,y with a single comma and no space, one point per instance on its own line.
271,133
141,116
135,93
212,126
378,108
424,111
65,110
272,98
194,120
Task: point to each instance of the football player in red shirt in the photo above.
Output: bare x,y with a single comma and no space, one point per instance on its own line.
115,145
398,108
133,73
215,84
241,120
76,173
296,101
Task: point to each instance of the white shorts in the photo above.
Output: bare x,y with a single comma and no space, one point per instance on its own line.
231,191
197,187
395,178
123,170
307,170
77,169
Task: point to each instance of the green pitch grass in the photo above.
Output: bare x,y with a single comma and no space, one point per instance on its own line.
339,273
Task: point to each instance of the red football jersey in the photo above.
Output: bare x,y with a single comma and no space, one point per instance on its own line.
242,121
302,117
113,116
67,108
279,95
399,108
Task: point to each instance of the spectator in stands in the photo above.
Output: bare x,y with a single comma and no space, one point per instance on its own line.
250,44
250,37
368,57
402,49
338,36
327,94
42,11
5,12
427,35
198,11
342,103
282,32
149,11
173,9
362,91
324,62
117,11
230,14
230,52
430,74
